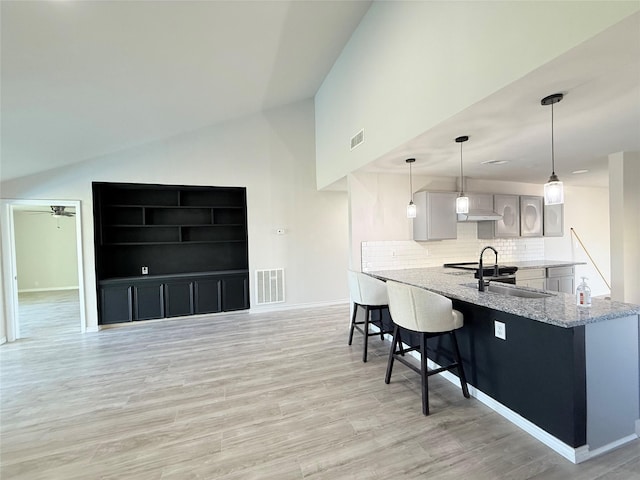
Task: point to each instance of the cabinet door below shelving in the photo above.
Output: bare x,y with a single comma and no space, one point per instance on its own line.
178,296
115,304
207,295
148,301
235,292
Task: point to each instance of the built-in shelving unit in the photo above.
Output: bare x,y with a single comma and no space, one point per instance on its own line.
171,230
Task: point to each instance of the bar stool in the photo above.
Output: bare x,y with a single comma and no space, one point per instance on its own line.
371,294
430,315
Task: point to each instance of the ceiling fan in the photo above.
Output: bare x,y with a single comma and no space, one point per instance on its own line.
56,211
59,211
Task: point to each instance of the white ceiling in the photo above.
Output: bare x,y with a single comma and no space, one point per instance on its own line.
82,79
599,115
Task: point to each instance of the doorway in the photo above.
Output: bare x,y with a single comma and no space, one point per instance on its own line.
46,291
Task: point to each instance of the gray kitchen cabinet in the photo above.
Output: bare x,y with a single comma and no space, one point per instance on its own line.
509,225
553,220
554,279
530,216
561,279
532,277
436,217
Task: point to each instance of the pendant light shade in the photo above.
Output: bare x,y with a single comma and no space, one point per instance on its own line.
462,202
553,189
411,208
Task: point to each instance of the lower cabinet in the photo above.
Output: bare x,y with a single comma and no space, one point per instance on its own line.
208,295
554,279
148,301
178,298
116,304
532,278
126,300
561,279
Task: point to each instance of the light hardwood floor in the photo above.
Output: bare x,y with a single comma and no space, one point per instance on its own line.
252,396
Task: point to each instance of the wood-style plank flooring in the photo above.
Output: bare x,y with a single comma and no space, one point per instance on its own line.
252,396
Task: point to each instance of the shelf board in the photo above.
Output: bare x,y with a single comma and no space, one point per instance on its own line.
184,242
169,207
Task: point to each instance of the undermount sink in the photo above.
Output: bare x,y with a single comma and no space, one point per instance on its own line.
514,291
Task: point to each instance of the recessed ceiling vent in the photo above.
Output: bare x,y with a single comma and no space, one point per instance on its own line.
270,286
357,139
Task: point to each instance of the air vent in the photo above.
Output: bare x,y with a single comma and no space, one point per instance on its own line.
357,139
270,286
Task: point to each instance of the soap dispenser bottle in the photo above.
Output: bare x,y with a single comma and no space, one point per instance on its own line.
583,294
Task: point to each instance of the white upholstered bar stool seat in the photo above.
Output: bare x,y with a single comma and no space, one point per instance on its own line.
370,294
430,315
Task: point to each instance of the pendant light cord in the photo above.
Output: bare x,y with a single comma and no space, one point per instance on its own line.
461,174
410,183
553,161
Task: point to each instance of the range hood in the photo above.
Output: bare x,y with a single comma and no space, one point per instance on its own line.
479,216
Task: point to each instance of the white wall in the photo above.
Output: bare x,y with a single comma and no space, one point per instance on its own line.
411,65
45,251
272,154
624,179
3,301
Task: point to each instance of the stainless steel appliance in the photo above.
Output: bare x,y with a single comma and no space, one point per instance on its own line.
505,273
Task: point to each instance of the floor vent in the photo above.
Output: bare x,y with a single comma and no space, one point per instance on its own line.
270,286
357,139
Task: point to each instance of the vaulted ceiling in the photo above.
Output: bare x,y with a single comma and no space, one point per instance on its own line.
84,79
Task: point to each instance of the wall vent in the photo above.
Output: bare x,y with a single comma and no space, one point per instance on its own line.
357,139
270,286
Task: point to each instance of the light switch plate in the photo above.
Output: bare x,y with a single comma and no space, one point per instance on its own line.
145,270
500,330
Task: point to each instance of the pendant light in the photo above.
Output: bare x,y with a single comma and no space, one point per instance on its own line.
462,202
553,190
411,208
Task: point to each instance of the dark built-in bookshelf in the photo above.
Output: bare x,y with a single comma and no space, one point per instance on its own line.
192,240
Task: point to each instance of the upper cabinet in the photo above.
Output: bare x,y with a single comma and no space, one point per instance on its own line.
554,220
436,217
509,225
530,216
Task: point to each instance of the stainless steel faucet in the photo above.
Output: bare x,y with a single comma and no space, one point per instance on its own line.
480,269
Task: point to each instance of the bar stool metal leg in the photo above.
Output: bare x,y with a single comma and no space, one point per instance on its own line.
424,374
392,351
353,322
367,314
461,375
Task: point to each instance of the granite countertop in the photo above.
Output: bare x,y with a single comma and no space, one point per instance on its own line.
544,264
558,309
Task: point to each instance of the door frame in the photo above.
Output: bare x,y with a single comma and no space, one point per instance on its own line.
10,279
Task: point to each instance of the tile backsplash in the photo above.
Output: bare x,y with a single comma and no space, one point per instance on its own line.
400,254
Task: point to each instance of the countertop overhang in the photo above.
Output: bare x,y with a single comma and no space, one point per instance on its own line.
558,309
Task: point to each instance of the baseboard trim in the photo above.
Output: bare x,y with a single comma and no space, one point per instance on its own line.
574,455
296,306
50,289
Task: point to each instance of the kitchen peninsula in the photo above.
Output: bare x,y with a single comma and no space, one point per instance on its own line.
567,375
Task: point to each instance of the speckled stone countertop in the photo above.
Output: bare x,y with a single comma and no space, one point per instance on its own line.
558,309
542,264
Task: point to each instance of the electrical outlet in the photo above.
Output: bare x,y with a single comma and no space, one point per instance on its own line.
145,270
500,330
280,231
